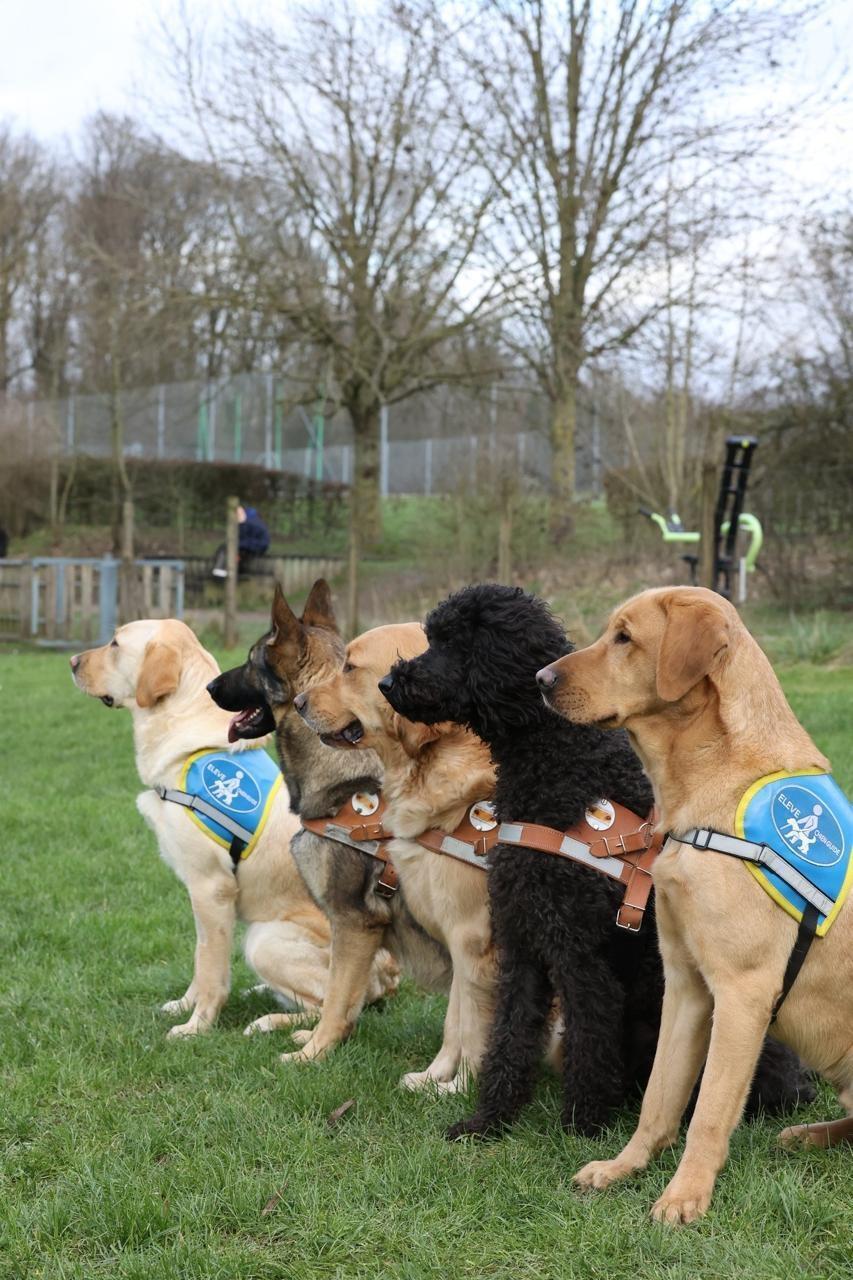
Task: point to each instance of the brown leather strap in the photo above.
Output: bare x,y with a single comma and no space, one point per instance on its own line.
471,841
625,850
359,824
353,820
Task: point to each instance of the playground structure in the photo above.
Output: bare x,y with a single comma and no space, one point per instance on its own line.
731,564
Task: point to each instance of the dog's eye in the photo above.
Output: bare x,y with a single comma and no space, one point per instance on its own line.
114,643
621,637
348,667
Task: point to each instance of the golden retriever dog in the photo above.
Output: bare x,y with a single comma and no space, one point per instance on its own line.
159,671
433,775
679,670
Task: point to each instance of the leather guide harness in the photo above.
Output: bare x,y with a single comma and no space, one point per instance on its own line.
625,849
358,823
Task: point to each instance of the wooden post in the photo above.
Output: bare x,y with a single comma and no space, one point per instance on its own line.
352,581
231,544
26,597
128,596
87,597
164,592
50,572
708,543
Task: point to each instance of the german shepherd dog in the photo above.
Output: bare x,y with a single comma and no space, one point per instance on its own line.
294,655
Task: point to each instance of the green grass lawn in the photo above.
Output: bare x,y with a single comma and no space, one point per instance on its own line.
127,1156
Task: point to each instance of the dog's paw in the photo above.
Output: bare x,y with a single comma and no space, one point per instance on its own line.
310,1052
599,1174
273,1022
474,1127
683,1202
422,1081
302,1036
174,1007
195,1027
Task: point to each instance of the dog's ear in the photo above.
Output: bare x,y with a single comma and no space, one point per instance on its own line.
160,673
695,637
414,736
286,627
319,611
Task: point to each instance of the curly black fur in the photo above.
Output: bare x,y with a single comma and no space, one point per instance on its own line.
553,921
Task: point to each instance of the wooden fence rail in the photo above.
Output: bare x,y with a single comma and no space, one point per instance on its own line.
69,600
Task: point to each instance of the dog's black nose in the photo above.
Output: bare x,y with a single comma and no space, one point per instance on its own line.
212,686
546,678
299,702
75,661
386,684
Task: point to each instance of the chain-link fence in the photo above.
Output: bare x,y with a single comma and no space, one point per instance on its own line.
431,443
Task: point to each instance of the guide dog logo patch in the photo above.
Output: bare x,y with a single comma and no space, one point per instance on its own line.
229,785
242,786
808,821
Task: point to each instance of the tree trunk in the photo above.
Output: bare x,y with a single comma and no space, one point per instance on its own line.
563,428
365,499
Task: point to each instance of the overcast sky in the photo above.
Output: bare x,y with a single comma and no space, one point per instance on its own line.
62,59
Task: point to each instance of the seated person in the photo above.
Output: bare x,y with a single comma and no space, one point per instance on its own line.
254,540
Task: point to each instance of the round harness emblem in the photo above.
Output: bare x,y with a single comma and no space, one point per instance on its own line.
601,815
482,816
365,803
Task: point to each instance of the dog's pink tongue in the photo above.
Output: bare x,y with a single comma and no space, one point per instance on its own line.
233,734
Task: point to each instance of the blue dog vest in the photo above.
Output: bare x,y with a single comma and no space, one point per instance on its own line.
241,787
806,819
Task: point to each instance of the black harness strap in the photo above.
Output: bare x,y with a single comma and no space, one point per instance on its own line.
805,937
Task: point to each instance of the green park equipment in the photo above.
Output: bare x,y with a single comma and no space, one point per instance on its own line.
730,520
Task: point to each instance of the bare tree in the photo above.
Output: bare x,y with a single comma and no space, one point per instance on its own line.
596,115
364,244
28,196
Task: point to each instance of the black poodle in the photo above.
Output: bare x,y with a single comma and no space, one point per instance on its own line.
554,921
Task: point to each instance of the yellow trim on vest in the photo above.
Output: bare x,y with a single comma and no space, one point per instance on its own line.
759,874
262,820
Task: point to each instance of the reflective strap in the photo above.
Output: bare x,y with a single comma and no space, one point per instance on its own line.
579,852
702,838
464,852
513,833
342,836
210,811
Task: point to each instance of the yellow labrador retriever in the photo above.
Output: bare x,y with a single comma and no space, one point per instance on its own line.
159,671
678,669
433,775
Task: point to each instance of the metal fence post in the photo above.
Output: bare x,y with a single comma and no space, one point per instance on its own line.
108,592
268,420
232,535
383,451
69,425
211,419
35,590
161,421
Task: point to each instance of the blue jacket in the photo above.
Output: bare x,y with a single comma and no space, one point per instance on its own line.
254,537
